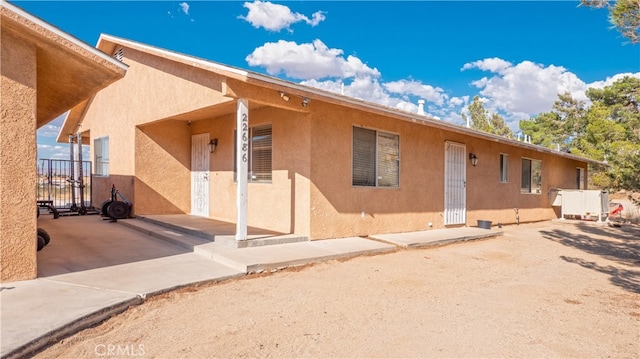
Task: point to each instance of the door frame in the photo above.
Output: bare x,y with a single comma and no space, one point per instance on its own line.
455,203
200,158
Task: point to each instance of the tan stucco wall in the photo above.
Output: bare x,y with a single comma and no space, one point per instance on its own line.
283,204
151,115
163,157
17,159
338,209
152,90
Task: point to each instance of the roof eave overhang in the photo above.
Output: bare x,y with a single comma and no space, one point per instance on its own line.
109,43
68,70
411,117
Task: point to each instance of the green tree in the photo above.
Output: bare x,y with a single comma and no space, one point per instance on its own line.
612,133
557,129
546,130
608,130
623,14
480,119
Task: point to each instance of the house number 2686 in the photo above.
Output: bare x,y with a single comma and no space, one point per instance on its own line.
245,137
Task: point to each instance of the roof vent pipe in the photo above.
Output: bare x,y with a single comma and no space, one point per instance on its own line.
420,107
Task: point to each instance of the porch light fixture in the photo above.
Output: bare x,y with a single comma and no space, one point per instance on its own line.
212,145
284,96
305,101
474,159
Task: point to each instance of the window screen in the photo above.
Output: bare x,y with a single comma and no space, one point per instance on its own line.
101,156
376,158
260,154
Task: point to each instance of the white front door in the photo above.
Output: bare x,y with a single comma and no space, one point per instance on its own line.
455,183
200,175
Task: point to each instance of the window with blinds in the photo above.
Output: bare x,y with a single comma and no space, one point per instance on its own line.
101,156
376,158
260,154
260,159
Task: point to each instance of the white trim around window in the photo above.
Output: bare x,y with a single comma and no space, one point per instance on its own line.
101,156
504,168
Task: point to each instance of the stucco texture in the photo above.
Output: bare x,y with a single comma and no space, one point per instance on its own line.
17,159
151,115
339,209
281,205
149,150
44,73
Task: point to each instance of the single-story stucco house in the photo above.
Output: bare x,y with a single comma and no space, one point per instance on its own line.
179,134
44,72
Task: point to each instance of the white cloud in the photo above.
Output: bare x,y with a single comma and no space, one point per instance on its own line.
417,88
493,64
328,69
307,61
458,101
526,88
274,17
610,80
184,7
369,88
50,130
515,91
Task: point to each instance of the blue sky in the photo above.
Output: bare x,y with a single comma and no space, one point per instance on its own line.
516,55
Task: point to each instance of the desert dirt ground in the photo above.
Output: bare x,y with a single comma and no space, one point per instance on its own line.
542,290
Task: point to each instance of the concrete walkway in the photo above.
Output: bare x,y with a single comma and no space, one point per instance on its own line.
93,269
436,237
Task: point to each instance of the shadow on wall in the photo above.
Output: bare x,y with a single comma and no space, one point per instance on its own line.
101,188
152,202
617,244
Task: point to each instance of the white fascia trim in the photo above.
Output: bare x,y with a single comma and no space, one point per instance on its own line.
62,34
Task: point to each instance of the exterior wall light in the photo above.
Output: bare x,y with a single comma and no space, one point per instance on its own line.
212,145
284,96
474,159
305,101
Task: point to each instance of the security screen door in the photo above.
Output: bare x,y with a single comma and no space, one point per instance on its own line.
200,175
455,183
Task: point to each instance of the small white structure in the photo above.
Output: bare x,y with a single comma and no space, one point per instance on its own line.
583,203
421,107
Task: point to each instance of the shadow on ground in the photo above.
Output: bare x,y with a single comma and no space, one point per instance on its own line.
617,244
88,242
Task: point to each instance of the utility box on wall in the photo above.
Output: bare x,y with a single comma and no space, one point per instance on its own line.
585,204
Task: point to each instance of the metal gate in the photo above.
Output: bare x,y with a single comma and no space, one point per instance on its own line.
64,185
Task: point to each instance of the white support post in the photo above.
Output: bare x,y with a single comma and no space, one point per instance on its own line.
242,165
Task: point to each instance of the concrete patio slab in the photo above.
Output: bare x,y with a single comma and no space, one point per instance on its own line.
151,277
37,312
436,237
257,259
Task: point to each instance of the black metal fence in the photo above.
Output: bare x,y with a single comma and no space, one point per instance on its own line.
64,184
